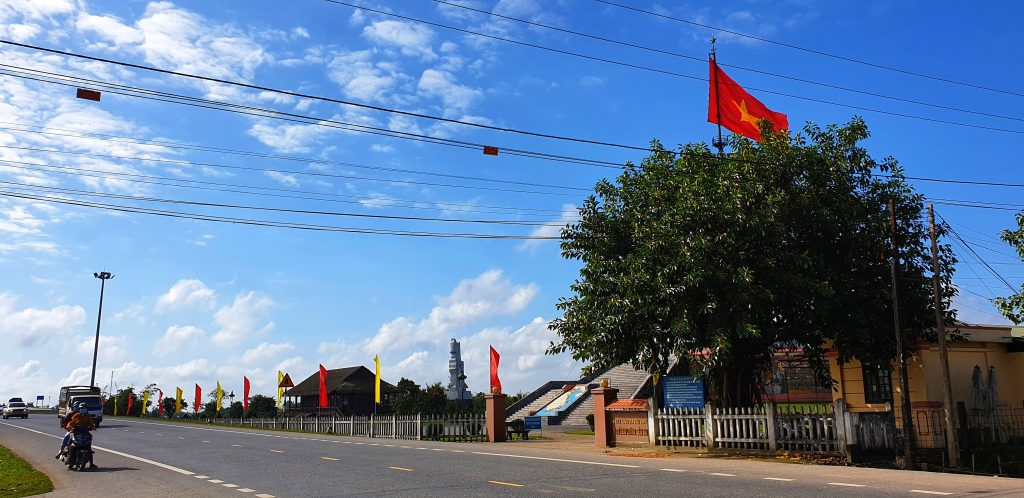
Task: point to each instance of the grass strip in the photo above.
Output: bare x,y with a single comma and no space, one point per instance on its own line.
18,478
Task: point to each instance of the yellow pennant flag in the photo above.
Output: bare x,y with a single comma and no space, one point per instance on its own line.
145,401
177,400
280,390
220,395
376,383
115,406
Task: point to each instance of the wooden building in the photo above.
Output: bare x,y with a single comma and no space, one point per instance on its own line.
350,391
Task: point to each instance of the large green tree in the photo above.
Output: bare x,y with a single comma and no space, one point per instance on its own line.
1012,307
721,260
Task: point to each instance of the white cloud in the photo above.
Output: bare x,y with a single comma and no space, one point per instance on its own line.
35,326
30,368
288,137
360,78
592,81
282,178
266,351
411,39
570,214
109,29
112,347
300,32
442,84
185,293
175,337
240,321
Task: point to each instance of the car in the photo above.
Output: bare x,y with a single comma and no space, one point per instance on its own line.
15,409
15,400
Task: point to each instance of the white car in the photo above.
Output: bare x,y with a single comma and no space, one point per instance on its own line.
15,409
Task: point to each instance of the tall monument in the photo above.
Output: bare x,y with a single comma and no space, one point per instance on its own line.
457,388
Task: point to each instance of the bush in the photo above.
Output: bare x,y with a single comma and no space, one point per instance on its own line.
590,420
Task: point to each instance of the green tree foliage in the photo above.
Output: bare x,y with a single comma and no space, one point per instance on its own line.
1012,307
234,411
121,398
261,406
720,260
168,404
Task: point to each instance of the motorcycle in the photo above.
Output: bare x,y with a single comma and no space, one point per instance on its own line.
79,452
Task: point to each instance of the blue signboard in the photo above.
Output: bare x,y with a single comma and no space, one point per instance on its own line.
683,392
531,423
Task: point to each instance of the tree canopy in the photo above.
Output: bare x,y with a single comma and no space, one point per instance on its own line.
721,260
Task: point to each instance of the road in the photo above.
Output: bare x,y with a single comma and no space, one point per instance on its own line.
138,456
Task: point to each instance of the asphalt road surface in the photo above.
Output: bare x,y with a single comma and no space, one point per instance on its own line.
138,457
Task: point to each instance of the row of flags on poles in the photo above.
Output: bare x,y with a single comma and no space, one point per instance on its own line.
283,382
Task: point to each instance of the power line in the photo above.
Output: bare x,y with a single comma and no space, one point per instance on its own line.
327,99
29,187
671,73
185,183
269,223
813,51
160,96
734,66
289,172
307,160
977,256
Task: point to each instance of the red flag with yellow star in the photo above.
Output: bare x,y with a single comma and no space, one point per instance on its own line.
732,107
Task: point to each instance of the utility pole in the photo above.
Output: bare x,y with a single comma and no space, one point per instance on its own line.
952,445
908,431
103,276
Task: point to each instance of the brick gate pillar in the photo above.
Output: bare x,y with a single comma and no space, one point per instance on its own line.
495,415
603,396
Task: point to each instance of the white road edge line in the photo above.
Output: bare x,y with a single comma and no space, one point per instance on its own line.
721,474
557,460
118,453
777,479
674,470
926,492
847,484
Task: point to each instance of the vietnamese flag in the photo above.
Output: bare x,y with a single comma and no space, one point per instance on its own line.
199,398
245,394
495,382
732,107
323,387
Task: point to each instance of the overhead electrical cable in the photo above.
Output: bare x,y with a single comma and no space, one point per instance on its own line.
704,60
86,193
331,197
148,94
981,260
814,51
268,223
327,99
671,73
306,160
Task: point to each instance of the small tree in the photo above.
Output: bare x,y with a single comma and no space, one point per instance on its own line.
235,410
261,406
1012,307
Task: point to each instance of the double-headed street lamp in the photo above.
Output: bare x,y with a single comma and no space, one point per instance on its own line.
103,276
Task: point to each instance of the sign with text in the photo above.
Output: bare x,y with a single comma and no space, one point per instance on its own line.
531,423
628,427
683,392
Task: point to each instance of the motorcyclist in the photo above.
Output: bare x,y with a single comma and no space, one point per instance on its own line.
79,418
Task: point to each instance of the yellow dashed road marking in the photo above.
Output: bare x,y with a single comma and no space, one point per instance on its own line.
403,469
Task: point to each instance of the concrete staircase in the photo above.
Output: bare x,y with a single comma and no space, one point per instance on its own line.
550,392
623,377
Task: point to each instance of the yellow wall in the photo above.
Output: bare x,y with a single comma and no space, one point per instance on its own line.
925,376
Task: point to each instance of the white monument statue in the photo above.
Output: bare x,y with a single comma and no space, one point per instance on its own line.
457,388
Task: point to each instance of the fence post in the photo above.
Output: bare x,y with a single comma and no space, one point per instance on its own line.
652,428
371,425
419,426
769,412
709,426
839,415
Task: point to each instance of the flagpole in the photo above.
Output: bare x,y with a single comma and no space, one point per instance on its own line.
720,144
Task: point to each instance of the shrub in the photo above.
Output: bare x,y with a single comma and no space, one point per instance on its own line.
590,420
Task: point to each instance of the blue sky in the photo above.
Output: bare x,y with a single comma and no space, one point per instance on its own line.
197,301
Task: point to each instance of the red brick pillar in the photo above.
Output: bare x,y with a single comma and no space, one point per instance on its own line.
495,415
603,396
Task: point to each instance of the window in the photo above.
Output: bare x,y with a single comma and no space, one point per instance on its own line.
877,384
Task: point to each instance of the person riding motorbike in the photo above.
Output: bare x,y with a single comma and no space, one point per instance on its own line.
79,418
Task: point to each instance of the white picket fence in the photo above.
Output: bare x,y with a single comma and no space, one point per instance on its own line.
454,427
769,427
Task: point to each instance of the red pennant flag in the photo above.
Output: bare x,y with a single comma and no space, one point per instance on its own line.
131,397
323,387
495,382
160,402
199,398
732,107
245,394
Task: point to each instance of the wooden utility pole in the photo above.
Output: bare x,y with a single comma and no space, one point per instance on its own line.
901,357
952,446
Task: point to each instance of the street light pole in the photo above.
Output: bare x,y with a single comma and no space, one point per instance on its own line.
103,276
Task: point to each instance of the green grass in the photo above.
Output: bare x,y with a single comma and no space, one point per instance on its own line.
18,478
584,432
